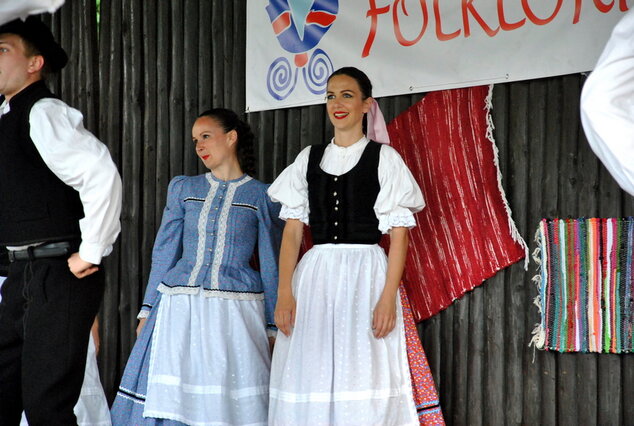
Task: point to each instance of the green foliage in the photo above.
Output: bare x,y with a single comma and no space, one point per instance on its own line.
98,8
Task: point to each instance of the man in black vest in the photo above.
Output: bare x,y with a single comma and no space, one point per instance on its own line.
60,201
4,262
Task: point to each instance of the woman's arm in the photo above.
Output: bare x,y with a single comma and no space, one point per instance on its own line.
168,247
384,318
94,331
289,252
270,229
139,327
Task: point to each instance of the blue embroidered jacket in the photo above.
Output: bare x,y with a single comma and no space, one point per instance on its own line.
209,233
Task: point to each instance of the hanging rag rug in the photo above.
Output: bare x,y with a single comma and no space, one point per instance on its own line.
586,285
465,234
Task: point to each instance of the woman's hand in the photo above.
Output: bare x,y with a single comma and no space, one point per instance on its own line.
289,251
285,313
384,316
140,326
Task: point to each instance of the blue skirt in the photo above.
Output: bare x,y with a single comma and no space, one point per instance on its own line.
130,401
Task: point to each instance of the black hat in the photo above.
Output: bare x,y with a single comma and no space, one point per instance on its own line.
40,36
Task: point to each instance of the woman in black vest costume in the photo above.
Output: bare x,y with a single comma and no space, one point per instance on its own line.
341,357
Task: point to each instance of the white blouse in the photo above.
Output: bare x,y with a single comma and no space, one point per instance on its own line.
607,104
399,197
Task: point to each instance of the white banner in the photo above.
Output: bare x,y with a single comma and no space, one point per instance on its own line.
408,46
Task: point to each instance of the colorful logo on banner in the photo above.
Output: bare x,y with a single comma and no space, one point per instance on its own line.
299,26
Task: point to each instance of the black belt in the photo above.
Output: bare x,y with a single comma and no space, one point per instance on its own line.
41,252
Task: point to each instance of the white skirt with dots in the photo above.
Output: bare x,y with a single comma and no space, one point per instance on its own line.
331,370
210,361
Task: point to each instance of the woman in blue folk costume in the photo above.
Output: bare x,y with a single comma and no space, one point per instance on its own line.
203,350
341,357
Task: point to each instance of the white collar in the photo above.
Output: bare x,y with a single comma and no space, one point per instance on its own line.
5,108
358,145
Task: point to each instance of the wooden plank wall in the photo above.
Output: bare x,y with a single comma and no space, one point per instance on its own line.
150,67
478,347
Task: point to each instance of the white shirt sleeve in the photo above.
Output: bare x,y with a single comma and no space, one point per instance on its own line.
400,196
81,161
291,189
10,10
607,104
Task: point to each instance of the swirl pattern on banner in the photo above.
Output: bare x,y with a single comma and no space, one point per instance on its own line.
316,74
281,78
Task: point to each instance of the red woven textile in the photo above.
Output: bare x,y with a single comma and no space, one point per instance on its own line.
465,234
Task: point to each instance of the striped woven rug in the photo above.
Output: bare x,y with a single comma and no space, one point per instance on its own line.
586,285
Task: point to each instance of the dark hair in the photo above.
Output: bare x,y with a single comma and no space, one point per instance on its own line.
30,50
362,80
229,121
364,84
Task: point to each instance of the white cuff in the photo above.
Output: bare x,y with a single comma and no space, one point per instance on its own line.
404,219
143,314
271,333
93,252
294,213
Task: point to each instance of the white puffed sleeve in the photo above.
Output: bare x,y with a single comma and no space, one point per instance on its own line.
607,104
400,196
291,189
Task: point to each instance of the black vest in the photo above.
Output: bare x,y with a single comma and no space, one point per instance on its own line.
342,207
35,205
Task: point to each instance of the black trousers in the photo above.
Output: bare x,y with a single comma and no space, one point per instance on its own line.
45,318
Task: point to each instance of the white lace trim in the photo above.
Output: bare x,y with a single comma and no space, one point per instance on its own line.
294,213
202,230
162,288
233,295
247,205
128,397
389,221
143,314
219,294
222,229
135,397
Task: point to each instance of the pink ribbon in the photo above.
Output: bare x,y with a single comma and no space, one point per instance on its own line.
377,130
